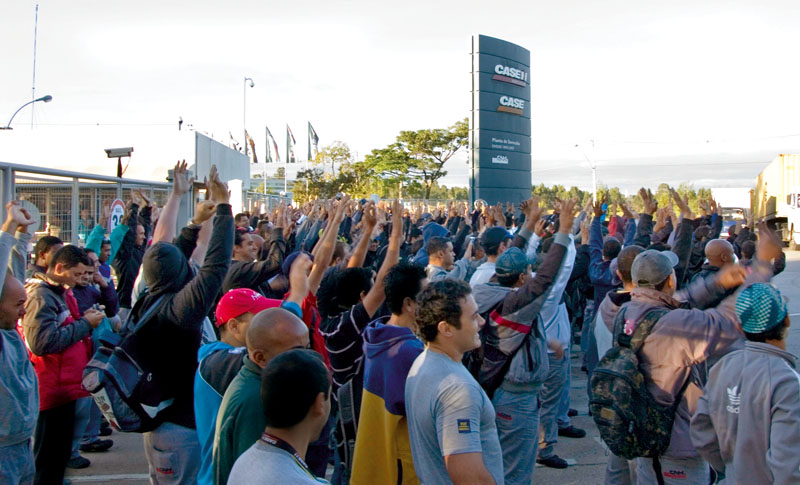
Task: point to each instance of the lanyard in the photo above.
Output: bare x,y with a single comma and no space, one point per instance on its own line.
282,445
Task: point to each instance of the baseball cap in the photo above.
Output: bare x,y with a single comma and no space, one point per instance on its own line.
512,261
760,307
240,301
652,267
494,236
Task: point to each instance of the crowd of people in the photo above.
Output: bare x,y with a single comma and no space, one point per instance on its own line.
372,343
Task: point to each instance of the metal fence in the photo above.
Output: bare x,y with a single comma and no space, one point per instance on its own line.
263,203
70,203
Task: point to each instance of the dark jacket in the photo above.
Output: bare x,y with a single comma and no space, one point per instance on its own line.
129,256
255,275
91,294
600,270
173,336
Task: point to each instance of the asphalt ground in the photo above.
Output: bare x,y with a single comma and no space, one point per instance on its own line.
125,463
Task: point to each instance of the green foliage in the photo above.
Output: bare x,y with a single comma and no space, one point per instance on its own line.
419,156
548,195
337,153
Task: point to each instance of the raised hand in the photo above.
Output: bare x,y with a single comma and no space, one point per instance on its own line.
181,184
769,244
682,203
370,215
731,276
539,227
147,200
566,211
627,212
397,221
650,203
203,211
217,189
597,208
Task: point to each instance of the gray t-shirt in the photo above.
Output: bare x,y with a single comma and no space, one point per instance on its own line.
448,414
265,464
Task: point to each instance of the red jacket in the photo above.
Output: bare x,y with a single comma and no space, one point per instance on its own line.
60,373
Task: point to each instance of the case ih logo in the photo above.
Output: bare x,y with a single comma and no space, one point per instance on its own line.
511,105
510,75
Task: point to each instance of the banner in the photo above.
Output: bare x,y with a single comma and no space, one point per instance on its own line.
313,140
290,143
274,147
249,140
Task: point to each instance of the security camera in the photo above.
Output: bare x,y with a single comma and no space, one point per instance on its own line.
119,152
252,84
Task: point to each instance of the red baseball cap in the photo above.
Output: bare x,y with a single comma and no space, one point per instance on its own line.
240,301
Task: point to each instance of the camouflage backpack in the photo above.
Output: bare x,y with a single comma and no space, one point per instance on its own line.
630,421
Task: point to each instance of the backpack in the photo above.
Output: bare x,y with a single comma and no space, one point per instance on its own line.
349,398
630,421
130,397
489,363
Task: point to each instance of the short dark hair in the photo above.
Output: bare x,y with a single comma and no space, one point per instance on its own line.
403,281
238,236
625,261
436,244
611,248
778,332
70,256
508,280
748,249
45,243
440,301
341,288
105,242
240,215
290,384
90,251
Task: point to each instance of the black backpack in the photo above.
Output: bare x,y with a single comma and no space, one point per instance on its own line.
349,408
131,397
630,421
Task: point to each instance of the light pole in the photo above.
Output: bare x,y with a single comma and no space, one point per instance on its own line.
593,166
244,112
46,99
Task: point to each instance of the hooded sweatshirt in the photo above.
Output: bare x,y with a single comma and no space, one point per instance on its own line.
173,336
747,423
383,450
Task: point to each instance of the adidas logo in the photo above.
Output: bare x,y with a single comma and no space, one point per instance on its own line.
734,399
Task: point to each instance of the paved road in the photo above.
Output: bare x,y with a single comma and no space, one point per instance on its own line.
125,463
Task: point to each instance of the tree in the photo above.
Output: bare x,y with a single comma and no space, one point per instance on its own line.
280,173
419,155
336,153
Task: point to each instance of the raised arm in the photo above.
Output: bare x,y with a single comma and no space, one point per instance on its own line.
326,246
377,294
369,221
168,220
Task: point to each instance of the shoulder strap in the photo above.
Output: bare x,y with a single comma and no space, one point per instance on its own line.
642,330
145,317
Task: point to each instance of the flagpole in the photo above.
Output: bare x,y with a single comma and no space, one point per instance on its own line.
266,160
286,161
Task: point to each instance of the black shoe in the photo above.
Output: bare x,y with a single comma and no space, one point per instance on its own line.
106,431
552,462
571,432
572,412
78,463
99,445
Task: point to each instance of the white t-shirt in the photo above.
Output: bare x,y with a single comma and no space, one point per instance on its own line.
265,464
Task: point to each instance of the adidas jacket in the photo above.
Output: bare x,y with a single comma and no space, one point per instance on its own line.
747,423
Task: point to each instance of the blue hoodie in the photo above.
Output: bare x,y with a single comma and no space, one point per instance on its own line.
430,230
218,365
382,443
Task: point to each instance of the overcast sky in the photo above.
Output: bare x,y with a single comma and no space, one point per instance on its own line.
704,92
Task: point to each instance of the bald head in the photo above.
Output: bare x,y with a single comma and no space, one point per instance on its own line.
12,302
719,253
272,332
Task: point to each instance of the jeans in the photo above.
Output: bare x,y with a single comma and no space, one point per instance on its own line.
173,454
16,467
517,425
52,443
83,410
551,398
563,404
687,471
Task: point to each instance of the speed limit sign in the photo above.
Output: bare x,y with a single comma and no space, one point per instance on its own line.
117,213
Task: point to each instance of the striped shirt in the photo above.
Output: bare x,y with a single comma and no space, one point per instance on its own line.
344,342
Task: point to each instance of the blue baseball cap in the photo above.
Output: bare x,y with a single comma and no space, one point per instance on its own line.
512,261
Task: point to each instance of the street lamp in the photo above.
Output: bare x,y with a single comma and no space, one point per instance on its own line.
244,111
46,99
